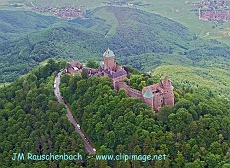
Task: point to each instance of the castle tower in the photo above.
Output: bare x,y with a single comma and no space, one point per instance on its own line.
168,91
109,60
148,98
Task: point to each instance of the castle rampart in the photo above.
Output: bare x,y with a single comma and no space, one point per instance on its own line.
129,91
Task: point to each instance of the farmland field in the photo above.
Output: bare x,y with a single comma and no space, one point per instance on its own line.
180,12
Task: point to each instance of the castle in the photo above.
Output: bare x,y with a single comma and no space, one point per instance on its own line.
155,96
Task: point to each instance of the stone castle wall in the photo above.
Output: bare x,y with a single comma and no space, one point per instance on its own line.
117,80
129,91
169,98
158,101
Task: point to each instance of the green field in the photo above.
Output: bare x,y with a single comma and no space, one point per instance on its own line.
54,3
180,12
216,79
109,18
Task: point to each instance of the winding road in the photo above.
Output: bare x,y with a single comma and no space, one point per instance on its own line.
88,147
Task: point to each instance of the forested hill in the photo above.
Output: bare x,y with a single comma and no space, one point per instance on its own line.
141,32
16,23
132,34
32,121
193,133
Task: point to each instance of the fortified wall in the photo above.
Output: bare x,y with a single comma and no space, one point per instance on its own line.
129,91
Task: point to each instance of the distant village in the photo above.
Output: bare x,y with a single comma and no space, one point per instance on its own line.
217,10
65,12
72,12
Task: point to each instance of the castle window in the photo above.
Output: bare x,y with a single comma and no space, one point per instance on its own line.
161,100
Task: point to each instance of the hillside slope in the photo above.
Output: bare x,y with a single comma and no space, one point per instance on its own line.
177,10
216,79
140,39
141,32
15,23
32,121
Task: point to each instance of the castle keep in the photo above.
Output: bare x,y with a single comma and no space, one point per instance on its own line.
156,95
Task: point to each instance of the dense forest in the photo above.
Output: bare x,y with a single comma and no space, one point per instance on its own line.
15,24
140,39
193,133
31,120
